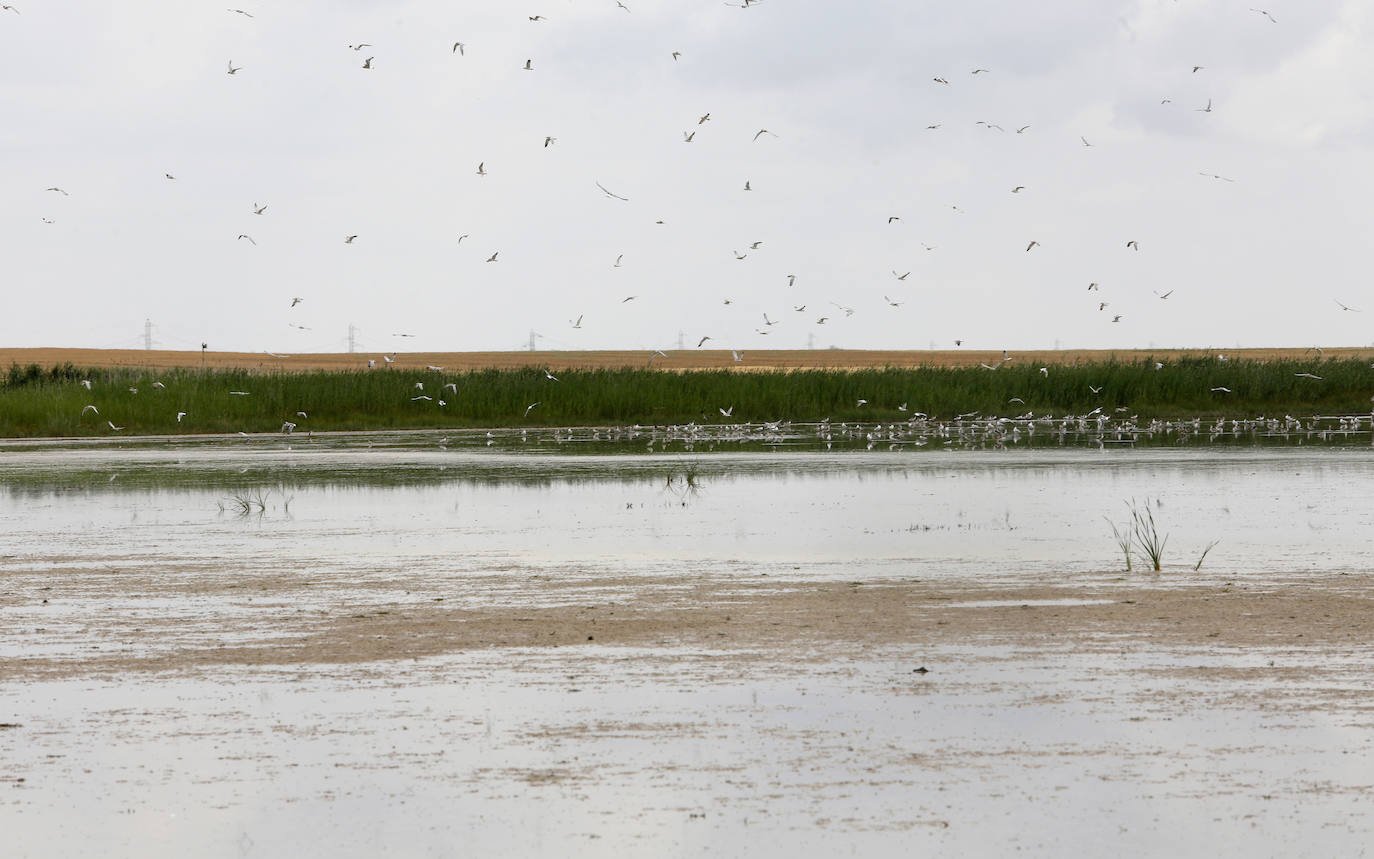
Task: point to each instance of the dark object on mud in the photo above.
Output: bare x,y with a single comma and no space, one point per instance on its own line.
921,670
10,725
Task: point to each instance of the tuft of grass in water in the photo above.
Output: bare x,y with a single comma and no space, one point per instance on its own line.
1145,534
1123,541
51,402
1210,546
246,502
685,483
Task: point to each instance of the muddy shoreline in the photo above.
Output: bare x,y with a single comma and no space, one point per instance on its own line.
259,620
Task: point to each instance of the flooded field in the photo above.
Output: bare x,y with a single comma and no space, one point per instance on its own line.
422,645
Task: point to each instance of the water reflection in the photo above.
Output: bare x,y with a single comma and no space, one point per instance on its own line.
1009,513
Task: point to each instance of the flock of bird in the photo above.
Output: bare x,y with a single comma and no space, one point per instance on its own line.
1107,304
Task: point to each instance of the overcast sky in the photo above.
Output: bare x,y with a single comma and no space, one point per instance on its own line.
102,100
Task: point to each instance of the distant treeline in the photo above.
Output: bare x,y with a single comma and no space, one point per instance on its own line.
53,402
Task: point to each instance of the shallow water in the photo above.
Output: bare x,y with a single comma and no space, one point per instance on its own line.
600,750
1005,514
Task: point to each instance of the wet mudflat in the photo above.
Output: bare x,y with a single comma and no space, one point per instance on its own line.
410,651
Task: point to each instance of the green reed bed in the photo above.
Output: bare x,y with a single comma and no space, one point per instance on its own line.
36,401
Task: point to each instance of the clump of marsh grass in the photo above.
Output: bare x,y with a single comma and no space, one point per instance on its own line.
1145,533
1123,541
1210,546
684,483
246,502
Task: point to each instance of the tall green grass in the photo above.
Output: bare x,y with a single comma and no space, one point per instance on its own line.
49,402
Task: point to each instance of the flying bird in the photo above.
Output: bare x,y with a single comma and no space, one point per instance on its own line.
628,298
481,168
538,18
900,276
492,258
58,190
1163,295
617,261
891,302
9,9
367,63
180,415
746,185
89,409
1018,189
941,81
458,48
764,131
530,408
1093,286
687,138
1031,245
726,412
1207,109
550,376
1344,307
233,70
1132,245
1085,140
1022,129
1265,14
258,210
170,176
348,240
113,427
704,117
578,322
609,194
529,65
1308,376
1221,390
891,218
246,236
701,341
791,279
240,12
676,54
549,141
360,46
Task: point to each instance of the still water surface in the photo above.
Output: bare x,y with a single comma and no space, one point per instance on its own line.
863,514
